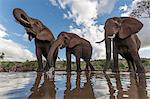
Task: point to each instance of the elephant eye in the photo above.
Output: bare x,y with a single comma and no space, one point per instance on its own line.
65,38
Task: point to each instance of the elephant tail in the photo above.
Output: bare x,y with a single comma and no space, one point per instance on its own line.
101,41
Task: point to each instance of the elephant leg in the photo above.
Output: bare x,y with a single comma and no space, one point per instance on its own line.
136,58
87,66
55,58
91,66
78,64
39,58
134,68
131,65
68,55
115,67
47,67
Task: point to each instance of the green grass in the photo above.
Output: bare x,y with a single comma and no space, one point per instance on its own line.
61,65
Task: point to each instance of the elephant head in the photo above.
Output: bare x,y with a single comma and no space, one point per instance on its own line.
122,26
33,27
64,40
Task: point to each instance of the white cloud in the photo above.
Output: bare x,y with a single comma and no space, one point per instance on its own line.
13,51
85,13
123,8
53,2
25,36
144,34
105,6
2,31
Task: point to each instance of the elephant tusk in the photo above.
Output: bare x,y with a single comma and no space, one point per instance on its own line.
111,37
24,21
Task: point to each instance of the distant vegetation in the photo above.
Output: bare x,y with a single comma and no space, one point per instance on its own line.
6,66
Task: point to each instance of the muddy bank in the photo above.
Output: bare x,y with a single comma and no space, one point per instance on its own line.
15,69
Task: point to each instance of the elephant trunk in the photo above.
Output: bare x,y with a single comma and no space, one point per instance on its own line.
53,49
108,52
21,17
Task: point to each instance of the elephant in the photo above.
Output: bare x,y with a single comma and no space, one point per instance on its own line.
75,45
43,37
122,31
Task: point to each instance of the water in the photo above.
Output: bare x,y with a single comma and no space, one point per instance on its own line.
85,85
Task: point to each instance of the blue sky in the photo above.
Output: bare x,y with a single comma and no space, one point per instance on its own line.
58,15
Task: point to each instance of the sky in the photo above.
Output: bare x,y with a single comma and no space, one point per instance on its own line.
85,18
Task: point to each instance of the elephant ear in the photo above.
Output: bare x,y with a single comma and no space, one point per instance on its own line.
129,26
74,41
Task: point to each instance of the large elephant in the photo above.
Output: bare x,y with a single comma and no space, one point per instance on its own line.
75,45
122,30
36,29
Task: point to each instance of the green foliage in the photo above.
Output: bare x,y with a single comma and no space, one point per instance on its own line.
7,64
61,65
145,62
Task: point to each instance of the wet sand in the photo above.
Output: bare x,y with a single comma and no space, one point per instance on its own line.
84,85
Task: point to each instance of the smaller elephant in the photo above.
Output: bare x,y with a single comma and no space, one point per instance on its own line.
75,45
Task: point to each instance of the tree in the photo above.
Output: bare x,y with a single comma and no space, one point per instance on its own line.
142,9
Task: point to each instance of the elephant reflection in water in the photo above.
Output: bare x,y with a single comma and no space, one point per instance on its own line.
137,88
86,92
44,91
